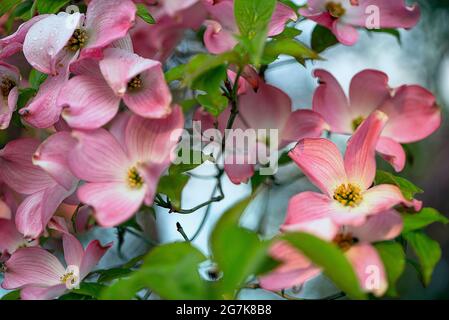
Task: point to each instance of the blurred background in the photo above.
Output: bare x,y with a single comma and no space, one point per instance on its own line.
421,58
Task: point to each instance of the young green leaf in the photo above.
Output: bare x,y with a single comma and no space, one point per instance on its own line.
331,259
290,47
172,186
393,258
408,189
427,250
419,220
144,14
253,18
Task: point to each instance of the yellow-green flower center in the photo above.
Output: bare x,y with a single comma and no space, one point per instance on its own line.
349,195
135,83
135,181
69,276
78,40
357,122
335,9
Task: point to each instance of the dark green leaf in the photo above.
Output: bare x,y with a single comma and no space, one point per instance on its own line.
322,38
408,189
427,250
13,295
427,216
144,14
331,259
50,6
24,10
7,5
393,258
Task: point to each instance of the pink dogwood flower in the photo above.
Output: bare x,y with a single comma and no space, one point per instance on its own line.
9,93
347,195
122,167
342,17
172,7
268,108
93,96
40,172
222,28
13,43
158,41
41,276
60,38
411,109
12,239
355,242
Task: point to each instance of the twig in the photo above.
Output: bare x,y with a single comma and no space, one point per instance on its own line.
180,229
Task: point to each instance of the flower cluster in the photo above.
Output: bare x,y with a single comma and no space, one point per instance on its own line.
102,127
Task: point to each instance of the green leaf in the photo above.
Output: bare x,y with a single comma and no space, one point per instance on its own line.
331,259
144,14
199,65
89,289
50,6
408,189
25,95
427,250
172,186
393,32
427,216
289,47
13,295
170,270
393,258
23,11
113,274
211,82
322,38
238,252
195,159
7,5
288,33
176,73
284,159
36,78
215,104
253,18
